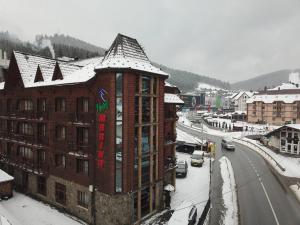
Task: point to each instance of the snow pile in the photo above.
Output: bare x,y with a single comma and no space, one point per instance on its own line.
291,165
2,85
229,192
4,221
5,177
22,210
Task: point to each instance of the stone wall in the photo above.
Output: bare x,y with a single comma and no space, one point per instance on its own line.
113,209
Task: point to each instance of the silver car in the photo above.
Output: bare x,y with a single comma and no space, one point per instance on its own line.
228,143
182,168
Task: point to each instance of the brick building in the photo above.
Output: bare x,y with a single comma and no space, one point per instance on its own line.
276,107
87,136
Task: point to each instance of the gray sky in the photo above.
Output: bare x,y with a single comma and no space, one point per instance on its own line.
230,40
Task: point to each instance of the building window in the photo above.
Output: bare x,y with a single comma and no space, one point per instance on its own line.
60,160
82,166
82,135
119,132
41,156
83,199
41,130
25,105
41,105
25,129
25,152
60,133
60,105
83,104
10,126
42,185
60,193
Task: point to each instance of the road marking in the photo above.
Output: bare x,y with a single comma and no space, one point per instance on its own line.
263,186
274,214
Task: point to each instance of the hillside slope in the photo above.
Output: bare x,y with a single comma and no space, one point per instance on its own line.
269,80
189,82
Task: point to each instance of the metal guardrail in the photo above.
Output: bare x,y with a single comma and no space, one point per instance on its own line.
271,157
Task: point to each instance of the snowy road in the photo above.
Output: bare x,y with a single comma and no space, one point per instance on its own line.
261,198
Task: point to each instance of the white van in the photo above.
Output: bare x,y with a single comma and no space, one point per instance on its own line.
197,158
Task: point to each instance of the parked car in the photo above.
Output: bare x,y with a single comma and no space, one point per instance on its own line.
197,158
187,147
182,168
228,143
187,215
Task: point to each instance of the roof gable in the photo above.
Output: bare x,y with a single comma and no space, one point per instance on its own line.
38,75
126,47
127,53
13,75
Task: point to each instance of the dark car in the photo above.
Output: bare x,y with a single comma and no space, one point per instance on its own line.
182,168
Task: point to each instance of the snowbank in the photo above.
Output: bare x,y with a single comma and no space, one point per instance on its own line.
5,177
229,192
296,189
4,221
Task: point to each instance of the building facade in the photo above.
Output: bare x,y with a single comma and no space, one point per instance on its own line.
276,107
285,139
87,136
240,100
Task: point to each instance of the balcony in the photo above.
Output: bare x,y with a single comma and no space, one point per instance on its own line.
169,163
82,117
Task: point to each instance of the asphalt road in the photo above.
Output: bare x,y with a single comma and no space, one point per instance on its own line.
262,199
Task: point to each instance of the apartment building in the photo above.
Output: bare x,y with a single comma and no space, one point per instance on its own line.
88,136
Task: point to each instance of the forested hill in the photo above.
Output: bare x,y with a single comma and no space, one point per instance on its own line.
189,82
59,45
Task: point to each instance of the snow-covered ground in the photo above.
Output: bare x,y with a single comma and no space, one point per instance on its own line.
194,187
185,137
23,210
229,192
291,165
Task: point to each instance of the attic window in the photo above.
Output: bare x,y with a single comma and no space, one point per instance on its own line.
38,75
57,75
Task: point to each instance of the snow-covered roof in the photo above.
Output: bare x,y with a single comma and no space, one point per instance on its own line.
233,95
72,72
248,93
126,52
172,98
5,177
288,98
2,85
293,126
167,84
285,86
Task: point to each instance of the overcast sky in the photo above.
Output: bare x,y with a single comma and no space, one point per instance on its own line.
230,40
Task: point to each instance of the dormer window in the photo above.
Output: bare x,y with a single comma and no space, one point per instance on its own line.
38,75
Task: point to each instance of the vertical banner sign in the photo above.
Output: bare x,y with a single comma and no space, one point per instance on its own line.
101,108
